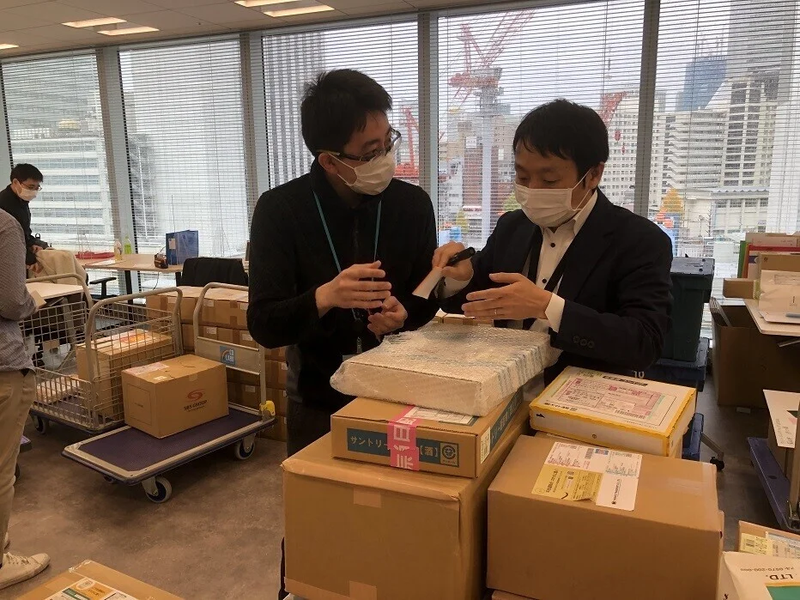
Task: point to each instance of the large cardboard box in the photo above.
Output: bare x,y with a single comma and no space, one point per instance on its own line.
745,576
746,362
226,308
615,411
420,439
739,288
167,397
114,354
93,580
544,546
356,530
166,302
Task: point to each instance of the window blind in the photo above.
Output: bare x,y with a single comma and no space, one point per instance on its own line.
387,53
494,68
726,133
55,123
184,127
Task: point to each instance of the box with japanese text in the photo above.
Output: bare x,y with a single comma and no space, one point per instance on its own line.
564,517
615,411
385,533
93,580
746,576
420,439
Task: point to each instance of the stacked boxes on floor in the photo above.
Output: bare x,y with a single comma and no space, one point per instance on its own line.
405,516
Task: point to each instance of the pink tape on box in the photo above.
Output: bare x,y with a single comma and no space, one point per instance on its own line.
402,440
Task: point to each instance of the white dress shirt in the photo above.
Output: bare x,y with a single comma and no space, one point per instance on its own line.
554,246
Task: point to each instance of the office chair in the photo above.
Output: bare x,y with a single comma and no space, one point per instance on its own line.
200,271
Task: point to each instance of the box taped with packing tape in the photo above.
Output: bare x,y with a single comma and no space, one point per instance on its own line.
467,370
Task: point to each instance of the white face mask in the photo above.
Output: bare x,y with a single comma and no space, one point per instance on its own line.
26,194
546,207
372,177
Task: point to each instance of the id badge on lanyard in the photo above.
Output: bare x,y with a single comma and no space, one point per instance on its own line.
360,326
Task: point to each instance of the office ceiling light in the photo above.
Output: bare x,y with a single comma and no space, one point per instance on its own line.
127,30
257,3
303,10
8,46
95,22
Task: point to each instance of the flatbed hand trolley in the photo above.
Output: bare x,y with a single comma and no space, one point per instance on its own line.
131,456
84,348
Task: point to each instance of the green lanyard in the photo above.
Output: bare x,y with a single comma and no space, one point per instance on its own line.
336,256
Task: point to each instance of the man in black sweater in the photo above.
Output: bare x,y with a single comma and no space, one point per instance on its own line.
335,254
25,184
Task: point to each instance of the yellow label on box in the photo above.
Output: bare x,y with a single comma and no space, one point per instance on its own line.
567,484
752,544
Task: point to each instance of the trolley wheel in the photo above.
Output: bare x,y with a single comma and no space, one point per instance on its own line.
40,424
109,479
720,464
243,449
163,491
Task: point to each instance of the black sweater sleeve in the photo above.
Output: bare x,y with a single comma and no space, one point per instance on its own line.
421,311
278,314
22,214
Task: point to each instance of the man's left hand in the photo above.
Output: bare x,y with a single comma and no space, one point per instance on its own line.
391,317
518,300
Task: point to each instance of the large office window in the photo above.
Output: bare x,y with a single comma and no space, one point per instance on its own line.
494,68
55,123
387,53
184,123
726,136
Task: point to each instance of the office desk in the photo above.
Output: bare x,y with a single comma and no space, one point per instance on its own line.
767,328
142,263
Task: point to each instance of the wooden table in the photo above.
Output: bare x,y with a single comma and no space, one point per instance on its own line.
767,328
142,263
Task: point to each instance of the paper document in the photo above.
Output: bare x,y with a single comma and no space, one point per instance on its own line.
780,292
575,472
426,287
782,408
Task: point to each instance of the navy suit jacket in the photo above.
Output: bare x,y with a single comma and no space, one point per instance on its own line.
616,286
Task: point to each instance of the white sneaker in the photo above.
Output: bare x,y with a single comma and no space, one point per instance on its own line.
17,568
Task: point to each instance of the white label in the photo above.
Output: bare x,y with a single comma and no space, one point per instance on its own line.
172,244
250,389
620,471
89,589
783,546
486,444
781,405
441,416
156,366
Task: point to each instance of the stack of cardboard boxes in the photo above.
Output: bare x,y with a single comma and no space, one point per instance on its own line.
602,506
223,317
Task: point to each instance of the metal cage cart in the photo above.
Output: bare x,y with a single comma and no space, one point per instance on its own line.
133,457
81,350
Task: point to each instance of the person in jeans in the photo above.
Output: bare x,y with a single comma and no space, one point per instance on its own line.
17,389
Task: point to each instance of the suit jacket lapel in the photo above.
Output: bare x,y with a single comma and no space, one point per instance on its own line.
587,248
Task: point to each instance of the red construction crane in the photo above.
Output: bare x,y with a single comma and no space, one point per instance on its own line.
409,170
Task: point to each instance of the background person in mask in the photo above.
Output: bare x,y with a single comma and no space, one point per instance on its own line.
335,254
596,276
26,182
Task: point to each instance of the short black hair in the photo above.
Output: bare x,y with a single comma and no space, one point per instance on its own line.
567,130
336,105
24,171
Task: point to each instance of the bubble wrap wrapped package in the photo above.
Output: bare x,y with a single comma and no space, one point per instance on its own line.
467,370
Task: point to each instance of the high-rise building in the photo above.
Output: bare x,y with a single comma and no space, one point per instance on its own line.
703,77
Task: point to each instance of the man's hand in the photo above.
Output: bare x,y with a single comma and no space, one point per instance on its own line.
391,317
518,300
462,271
353,288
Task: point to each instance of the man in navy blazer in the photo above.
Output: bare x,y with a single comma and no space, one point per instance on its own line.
596,276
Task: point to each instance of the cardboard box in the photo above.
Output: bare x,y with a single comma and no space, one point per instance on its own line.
166,302
276,373
497,595
739,288
93,580
418,367
780,262
250,396
167,397
758,539
221,334
746,576
456,319
446,443
277,432
543,546
782,407
243,338
615,411
187,333
746,362
226,308
385,533
114,354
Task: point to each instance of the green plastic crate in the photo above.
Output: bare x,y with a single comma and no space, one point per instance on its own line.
691,289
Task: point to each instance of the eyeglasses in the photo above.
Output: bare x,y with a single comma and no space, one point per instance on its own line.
394,139
34,188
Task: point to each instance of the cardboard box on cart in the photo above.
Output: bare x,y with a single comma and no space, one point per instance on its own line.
361,542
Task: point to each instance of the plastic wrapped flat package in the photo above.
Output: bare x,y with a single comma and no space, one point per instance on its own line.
467,370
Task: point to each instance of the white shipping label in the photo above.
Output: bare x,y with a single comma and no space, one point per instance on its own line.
430,414
486,444
617,491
